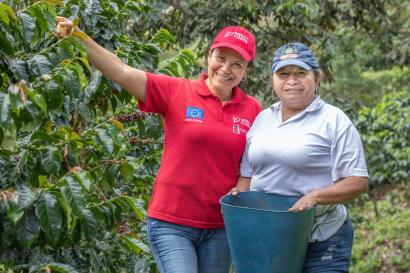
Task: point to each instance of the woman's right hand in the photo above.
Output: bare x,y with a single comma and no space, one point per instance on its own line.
64,27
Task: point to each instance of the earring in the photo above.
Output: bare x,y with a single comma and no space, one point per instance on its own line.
316,90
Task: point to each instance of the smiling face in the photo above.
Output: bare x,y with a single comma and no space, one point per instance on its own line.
295,87
226,69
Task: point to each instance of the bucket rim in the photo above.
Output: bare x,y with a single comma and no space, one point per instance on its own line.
266,210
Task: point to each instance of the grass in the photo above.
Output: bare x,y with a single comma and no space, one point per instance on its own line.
382,231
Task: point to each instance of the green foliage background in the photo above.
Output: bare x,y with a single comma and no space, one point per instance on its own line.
77,159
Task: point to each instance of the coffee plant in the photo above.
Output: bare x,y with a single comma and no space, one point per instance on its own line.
77,158
385,130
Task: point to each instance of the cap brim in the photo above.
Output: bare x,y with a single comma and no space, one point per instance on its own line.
238,49
291,62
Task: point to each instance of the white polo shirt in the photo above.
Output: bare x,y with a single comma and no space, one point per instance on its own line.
311,150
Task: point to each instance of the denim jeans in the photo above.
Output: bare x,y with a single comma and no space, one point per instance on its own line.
183,249
332,255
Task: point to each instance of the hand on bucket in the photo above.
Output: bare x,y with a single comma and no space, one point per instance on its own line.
234,191
306,202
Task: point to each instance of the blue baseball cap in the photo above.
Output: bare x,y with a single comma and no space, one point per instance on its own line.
294,54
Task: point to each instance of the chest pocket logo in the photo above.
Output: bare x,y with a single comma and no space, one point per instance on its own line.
194,114
240,125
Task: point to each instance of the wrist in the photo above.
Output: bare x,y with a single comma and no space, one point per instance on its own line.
80,34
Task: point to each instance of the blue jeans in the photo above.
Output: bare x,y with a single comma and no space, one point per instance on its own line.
183,249
332,255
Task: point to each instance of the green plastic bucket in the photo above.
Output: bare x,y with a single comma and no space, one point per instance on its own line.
263,236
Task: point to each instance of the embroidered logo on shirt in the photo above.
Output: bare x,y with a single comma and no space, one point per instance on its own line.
240,125
194,114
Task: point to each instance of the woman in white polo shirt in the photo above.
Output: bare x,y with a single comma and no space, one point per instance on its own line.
305,147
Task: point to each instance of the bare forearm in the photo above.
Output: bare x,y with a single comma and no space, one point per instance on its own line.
105,61
341,192
243,183
133,80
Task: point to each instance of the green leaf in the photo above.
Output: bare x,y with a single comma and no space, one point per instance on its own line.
63,202
136,245
71,83
105,140
19,69
74,194
163,37
50,216
66,50
9,137
5,44
27,228
137,206
8,233
42,135
127,171
85,113
26,197
4,109
41,19
51,160
92,87
39,65
89,225
60,268
6,12
14,214
28,27
38,100
84,178
54,95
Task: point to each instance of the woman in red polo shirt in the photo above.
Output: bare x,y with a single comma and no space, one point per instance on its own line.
205,126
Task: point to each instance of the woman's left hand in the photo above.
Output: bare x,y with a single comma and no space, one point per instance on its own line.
306,202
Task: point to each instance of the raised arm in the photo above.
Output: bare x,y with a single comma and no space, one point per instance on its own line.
131,79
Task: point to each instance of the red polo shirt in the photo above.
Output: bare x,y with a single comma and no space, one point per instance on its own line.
203,145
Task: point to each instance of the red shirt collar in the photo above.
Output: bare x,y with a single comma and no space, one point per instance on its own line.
238,95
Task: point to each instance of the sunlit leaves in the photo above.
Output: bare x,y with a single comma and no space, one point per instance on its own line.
6,13
178,65
136,245
163,37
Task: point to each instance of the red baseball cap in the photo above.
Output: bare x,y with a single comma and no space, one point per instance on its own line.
237,38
